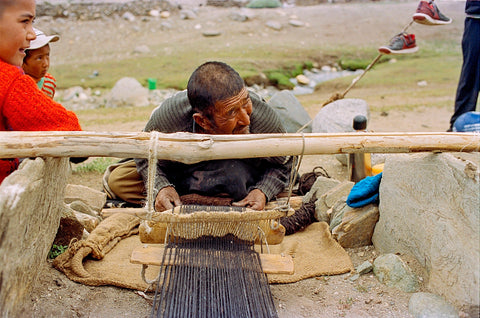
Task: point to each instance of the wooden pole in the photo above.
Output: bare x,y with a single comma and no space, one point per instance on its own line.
191,148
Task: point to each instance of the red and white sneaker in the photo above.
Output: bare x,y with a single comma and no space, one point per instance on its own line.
400,44
428,13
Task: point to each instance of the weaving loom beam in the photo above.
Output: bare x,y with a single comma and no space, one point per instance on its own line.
151,254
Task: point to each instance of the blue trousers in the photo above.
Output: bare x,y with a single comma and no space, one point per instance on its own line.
469,82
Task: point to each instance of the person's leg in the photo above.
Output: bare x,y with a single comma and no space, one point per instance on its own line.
469,82
126,183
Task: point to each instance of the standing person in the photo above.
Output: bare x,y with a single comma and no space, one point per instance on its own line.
37,62
23,107
216,102
469,83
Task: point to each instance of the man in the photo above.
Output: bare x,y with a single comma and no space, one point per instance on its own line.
216,102
469,83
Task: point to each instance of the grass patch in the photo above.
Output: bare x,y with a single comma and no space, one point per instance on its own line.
56,250
96,165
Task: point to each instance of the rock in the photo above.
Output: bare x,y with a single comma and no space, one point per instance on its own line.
321,185
357,226
364,268
83,207
296,23
127,92
164,14
338,116
30,209
211,33
91,197
70,228
187,15
302,79
128,16
393,272
327,200
275,25
242,15
427,305
258,4
88,222
154,13
429,209
291,112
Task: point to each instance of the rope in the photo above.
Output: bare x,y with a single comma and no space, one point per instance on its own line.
152,171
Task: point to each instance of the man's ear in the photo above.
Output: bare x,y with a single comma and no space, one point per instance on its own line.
203,122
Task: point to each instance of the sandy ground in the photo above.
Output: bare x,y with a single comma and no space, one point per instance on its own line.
333,296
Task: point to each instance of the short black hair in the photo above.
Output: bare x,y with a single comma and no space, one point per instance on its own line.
212,82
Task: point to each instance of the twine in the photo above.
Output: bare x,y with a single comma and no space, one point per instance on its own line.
152,172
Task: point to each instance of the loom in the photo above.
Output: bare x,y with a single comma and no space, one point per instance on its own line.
209,267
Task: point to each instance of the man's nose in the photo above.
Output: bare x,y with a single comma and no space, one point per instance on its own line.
31,33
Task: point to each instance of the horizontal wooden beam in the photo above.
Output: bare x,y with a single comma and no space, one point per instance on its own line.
271,263
191,148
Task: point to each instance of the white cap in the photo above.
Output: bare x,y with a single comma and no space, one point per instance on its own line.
42,40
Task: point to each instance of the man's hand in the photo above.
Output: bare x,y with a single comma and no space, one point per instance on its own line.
166,199
255,200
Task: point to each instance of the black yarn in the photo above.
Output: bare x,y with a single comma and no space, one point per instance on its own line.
305,215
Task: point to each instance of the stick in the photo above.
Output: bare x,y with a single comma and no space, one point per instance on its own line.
191,148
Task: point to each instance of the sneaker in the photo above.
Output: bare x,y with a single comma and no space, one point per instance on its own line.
400,44
428,13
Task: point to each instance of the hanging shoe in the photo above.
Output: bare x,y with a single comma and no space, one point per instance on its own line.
400,44
428,13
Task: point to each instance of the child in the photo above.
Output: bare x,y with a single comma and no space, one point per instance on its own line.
23,107
37,62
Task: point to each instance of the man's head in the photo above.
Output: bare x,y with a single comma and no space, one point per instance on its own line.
220,100
37,59
16,31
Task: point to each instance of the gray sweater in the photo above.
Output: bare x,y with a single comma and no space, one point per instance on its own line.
175,114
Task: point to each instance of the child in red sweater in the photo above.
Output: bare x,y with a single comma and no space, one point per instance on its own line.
23,107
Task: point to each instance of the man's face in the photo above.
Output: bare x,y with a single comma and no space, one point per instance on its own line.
232,115
37,63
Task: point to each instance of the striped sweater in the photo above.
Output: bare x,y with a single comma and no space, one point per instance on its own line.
47,85
23,107
176,115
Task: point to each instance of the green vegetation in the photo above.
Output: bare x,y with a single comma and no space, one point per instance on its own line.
56,250
256,4
96,165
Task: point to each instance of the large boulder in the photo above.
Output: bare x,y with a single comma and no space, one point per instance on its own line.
291,112
338,116
31,203
127,92
429,208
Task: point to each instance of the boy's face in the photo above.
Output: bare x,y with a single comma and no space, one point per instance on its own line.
16,31
37,63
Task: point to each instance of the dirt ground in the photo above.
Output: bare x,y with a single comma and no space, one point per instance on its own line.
329,296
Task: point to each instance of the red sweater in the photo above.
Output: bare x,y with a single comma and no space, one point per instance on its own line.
23,107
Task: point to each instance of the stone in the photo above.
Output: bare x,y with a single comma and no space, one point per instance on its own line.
187,15
165,14
127,92
338,116
364,268
211,33
392,271
142,49
274,25
327,200
92,198
428,305
70,228
82,207
291,112
302,79
31,204
429,208
357,226
319,187
296,23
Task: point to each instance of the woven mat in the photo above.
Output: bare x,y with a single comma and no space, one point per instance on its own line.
315,253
